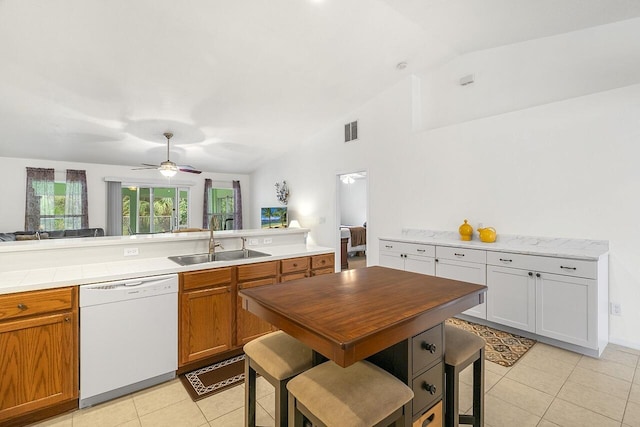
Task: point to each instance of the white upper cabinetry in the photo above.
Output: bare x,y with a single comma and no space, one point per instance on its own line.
555,290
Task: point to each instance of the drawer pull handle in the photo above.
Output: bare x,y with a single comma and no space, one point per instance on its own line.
432,389
22,307
506,260
431,348
295,265
323,262
388,246
568,268
457,254
428,420
421,250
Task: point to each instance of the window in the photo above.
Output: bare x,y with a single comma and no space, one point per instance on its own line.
154,209
220,205
55,205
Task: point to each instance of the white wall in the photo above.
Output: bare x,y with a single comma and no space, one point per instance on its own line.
353,202
526,149
13,175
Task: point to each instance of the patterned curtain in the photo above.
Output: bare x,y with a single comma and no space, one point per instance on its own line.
76,213
39,208
237,206
208,206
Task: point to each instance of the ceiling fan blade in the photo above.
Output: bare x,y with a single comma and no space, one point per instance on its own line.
147,164
187,168
145,168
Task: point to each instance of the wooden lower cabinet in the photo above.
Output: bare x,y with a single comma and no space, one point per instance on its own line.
38,353
205,315
248,325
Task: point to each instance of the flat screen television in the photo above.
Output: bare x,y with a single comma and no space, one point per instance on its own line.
273,217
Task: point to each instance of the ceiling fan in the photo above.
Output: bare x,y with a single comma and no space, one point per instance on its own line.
169,168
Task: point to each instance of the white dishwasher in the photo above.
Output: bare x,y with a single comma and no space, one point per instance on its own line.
128,336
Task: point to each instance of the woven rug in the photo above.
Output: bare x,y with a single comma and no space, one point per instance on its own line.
214,378
501,347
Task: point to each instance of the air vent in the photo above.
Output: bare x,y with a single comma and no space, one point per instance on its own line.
351,131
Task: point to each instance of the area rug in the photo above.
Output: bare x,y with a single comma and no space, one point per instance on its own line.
214,378
501,347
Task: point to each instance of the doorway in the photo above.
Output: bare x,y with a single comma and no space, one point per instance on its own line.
352,211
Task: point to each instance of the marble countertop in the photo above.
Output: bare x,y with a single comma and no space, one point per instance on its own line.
546,246
47,278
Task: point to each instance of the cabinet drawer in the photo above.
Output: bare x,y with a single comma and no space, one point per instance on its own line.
205,278
254,271
432,418
322,271
427,388
427,348
461,254
294,264
407,248
293,276
565,266
24,304
322,261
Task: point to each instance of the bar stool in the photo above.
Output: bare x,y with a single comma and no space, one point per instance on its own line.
361,395
461,349
278,357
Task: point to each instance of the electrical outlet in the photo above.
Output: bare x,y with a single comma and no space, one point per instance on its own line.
131,251
616,309
252,242
268,240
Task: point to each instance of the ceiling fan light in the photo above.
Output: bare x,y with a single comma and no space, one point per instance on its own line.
168,169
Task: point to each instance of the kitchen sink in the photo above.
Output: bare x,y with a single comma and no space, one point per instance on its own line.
218,256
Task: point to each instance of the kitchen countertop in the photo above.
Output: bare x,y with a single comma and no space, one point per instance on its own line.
545,246
47,278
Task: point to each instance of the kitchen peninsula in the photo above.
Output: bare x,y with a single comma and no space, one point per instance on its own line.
40,314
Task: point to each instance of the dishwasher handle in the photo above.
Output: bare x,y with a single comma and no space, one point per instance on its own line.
130,284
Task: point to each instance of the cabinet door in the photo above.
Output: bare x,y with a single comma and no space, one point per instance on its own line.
465,272
511,297
38,363
205,325
248,325
565,309
392,261
417,264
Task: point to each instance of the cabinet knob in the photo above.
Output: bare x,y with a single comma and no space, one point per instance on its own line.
22,306
323,262
437,260
530,274
431,348
537,274
67,319
428,420
295,265
432,389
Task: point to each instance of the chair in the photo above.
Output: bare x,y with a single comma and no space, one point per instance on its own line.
278,357
461,349
361,395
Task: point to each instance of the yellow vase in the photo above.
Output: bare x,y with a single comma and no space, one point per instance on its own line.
466,231
487,234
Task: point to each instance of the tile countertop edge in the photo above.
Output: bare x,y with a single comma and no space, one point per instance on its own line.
527,245
45,278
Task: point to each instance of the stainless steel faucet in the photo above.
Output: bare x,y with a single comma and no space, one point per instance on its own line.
244,241
214,224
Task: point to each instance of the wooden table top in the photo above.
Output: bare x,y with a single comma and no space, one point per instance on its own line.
354,314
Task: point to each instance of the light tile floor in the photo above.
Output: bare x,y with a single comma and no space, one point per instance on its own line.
548,387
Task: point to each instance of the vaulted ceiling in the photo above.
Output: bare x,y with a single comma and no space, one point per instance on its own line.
238,82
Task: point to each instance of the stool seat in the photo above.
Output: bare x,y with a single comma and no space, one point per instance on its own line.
278,357
460,345
279,354
463,348
361,395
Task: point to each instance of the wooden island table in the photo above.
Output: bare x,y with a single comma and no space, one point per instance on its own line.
390,317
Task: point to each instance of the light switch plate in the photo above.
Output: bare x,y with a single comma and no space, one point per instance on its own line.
131,251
